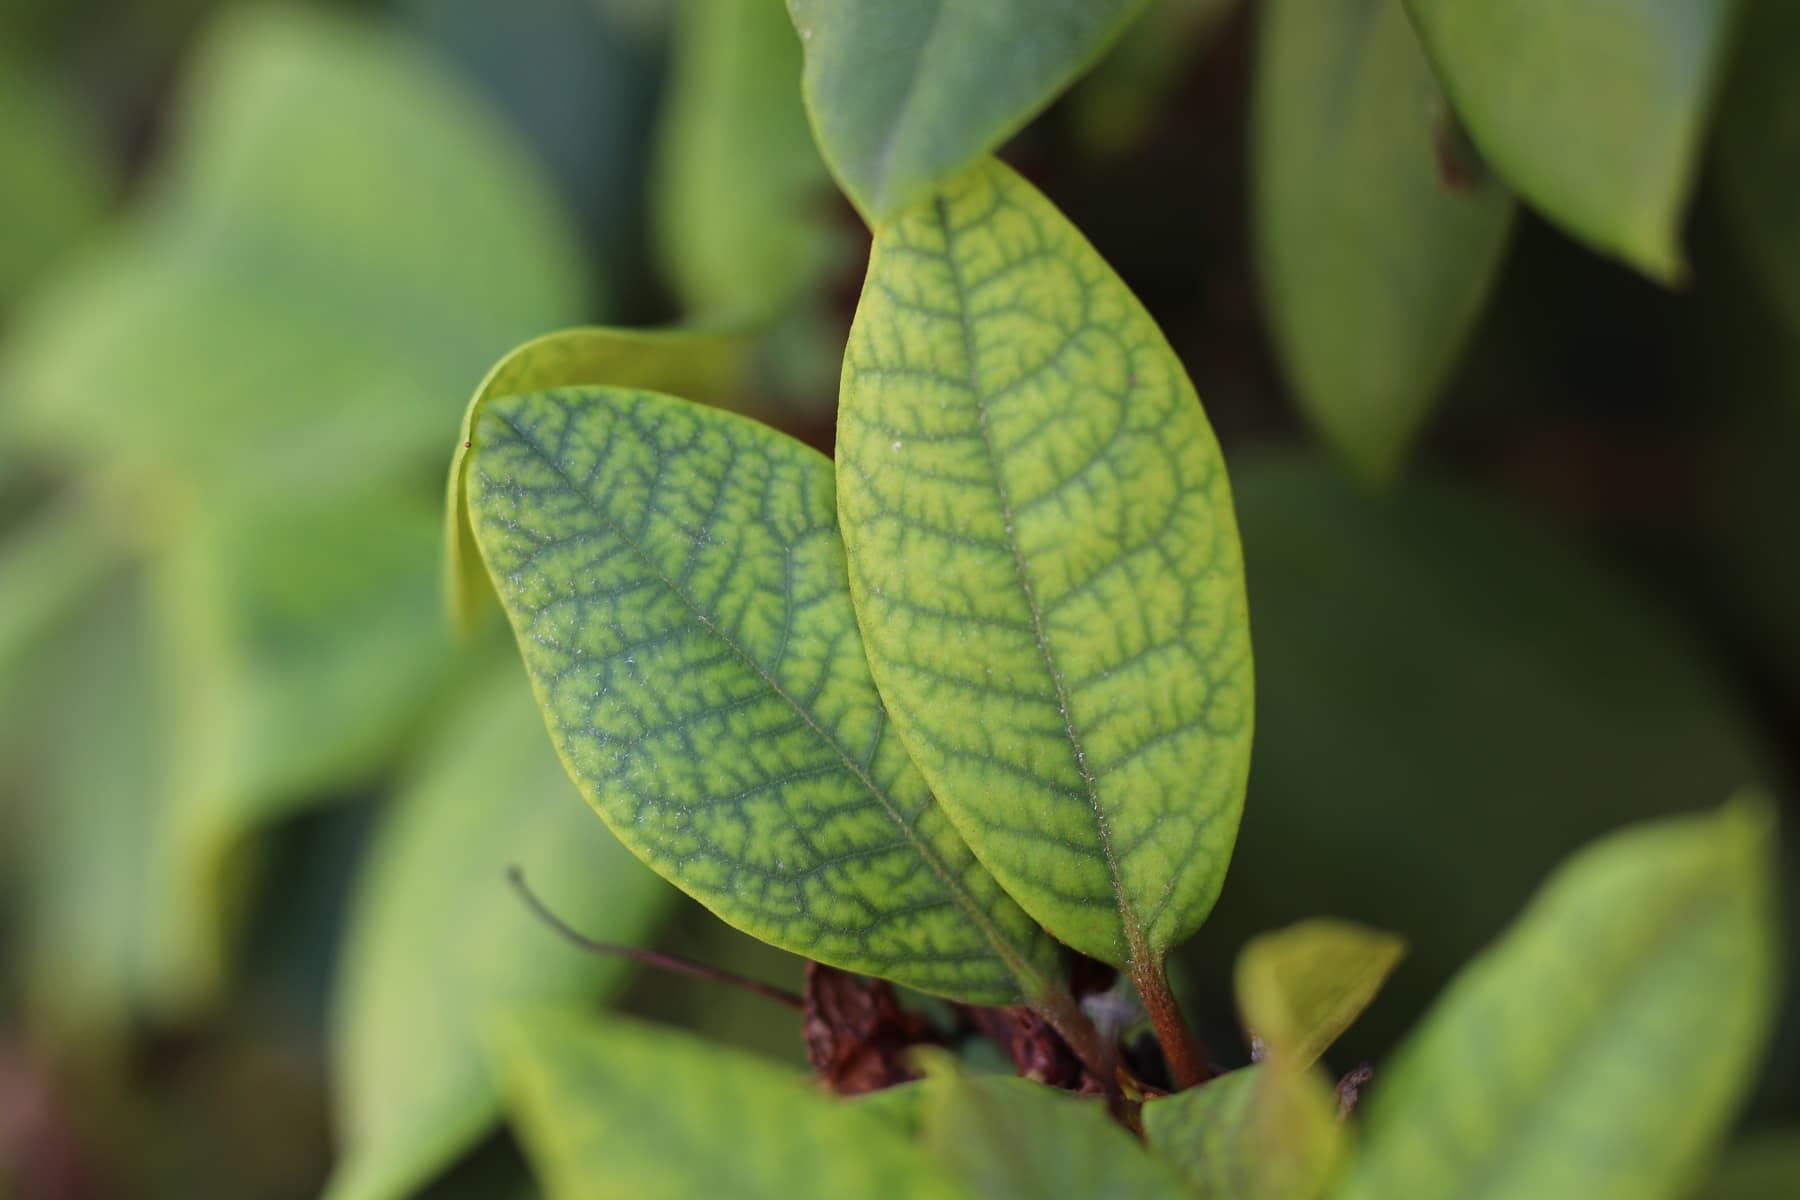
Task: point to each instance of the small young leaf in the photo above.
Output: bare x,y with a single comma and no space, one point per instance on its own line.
438,943
676,581
623,1109
1266,1132
1594,113
905,94
1602,1046
1012,1139
1299,988
708,366
1046,567
1375,266
1759,150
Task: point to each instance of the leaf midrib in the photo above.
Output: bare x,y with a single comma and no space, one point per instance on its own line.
1134,941
1028,977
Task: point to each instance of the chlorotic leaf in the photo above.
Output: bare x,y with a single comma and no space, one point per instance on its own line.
1759,151
1593,113
1603,1045
439,945
1265,1132
676,581
1046,567
706,365
1375,247
1302,986
623,1109
1012,1139
739,184
905,94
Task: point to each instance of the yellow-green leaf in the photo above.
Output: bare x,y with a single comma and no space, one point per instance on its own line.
629,1110
677,584
1265,1132
1594,113
1046,566
438,944
1300,987
704,365
1603,1045
1010,1139
906,94
1374,265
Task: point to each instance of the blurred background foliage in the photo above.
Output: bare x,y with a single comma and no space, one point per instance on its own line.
256,801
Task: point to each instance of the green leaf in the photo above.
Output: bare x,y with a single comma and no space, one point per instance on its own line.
1437,669
1593,113
1759,151
1017,1140
708,366
439,945
740,189
1046,567
1601,1047
1374,267
622,1109
338,240
1116,107
1266,1132
1301,987
57,181
47,568
676,581
906,94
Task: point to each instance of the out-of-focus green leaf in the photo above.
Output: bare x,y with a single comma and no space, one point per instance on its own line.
1265,1132
1601,1047
57,183
906,94
1449,700
1013,1142
304,640
623,1109
46,569
1046,567
338,242
1759,150
1594,113
1374,265
1115,106
1765,1166
706,366
439,945
92,943
677,584
1300,987
740,187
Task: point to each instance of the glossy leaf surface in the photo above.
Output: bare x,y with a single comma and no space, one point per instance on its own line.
1374,265
1013,1140
1594,113
677,584
1264,1132
1300,987
622,1109
1046,566
1601,1047
439,944
906,94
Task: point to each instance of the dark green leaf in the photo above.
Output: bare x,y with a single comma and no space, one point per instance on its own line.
1759,150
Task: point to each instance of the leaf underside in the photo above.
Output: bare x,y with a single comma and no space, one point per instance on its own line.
676,581
1046,566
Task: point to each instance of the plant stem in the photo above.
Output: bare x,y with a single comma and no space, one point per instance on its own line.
1188,1061
650,958
1100,1057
